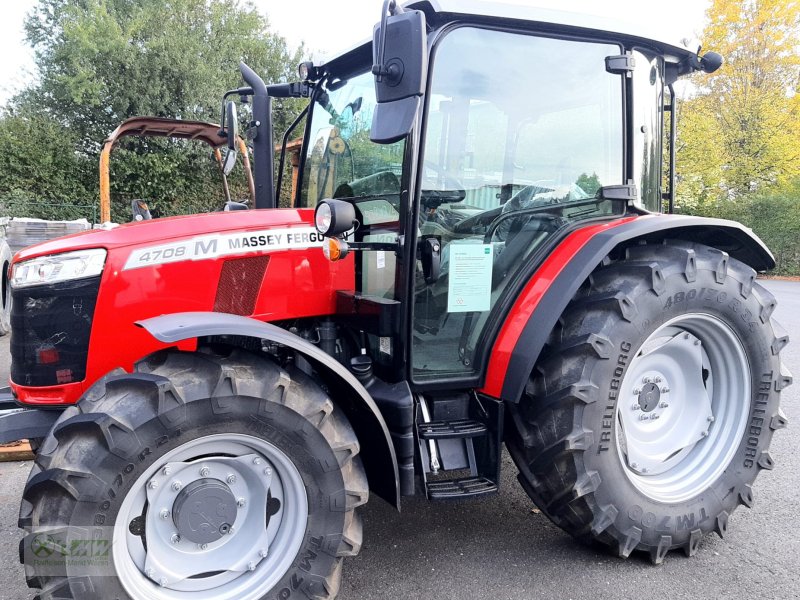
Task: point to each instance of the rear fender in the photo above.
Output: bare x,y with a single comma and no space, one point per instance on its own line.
544,298
347,392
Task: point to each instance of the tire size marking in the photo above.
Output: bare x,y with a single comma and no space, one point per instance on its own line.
119,479
711,297
757,418
305,564
668,523
609,413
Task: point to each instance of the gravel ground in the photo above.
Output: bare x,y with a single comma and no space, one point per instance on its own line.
500,548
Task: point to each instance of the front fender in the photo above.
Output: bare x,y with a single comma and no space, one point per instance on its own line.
379,457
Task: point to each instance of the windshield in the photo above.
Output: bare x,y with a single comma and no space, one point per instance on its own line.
341,161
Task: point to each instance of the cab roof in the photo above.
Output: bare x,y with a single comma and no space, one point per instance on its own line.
441,12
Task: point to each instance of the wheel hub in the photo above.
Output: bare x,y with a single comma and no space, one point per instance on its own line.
649,397
204,511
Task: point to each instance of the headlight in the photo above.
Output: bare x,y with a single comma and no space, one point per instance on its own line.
58,267
334,217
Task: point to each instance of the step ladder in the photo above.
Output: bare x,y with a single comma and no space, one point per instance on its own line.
466,448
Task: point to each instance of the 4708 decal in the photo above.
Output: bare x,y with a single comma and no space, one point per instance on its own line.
216,245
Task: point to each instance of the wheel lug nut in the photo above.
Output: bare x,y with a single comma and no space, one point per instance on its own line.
643,417
663,405
164,514
175,538
256,461
647,380
636,406
202,546
657,380
262,553
251,566
150,573
267,471
166,470
704,434
231,478
711,419
643,470
634,466
152,484
204,472
697,342
636,391
176,486
162,582
241,502
654,416
665,390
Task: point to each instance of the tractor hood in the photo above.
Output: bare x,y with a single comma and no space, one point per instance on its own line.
170,229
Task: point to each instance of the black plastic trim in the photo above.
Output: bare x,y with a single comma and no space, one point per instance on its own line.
739,242
26,423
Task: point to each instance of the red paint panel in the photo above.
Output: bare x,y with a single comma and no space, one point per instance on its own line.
298,282
528,300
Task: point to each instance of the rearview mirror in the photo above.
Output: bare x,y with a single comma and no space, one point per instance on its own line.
232,133
400,67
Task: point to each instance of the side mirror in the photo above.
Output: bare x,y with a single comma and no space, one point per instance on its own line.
232,132
400,67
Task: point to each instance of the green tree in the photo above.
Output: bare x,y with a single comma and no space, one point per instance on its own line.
740,133
102,61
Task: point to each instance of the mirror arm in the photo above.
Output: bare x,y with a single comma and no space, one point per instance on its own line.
282,160
379,69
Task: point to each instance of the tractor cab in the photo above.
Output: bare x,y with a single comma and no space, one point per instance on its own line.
483,144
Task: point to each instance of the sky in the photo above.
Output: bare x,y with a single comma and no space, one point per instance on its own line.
328,26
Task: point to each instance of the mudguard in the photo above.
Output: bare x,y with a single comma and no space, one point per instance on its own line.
549,290
379,458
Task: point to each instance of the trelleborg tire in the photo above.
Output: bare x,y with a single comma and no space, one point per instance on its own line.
199,476
5,289
650,413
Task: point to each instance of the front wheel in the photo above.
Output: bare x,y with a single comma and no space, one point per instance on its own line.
202,476
650,414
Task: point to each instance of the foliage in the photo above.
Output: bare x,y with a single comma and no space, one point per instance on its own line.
740,133
102,61
775,217
588,183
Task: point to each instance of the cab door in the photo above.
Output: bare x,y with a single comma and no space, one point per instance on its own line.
520,133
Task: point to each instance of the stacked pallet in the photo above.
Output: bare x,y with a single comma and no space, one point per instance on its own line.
21,233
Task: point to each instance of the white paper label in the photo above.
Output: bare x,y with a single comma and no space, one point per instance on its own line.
470,284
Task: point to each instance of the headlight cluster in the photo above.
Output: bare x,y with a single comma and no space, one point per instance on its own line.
58,267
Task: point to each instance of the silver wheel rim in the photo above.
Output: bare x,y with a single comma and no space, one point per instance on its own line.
244,563
683,407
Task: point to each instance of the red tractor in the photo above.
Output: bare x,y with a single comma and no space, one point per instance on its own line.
478,258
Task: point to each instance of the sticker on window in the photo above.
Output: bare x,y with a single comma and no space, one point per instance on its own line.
470,285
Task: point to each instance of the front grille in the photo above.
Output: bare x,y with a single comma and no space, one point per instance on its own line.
50,328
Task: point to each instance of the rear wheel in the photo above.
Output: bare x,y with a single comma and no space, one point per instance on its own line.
650,414
200,477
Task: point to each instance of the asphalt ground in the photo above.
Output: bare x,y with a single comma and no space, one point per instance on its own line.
500,548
